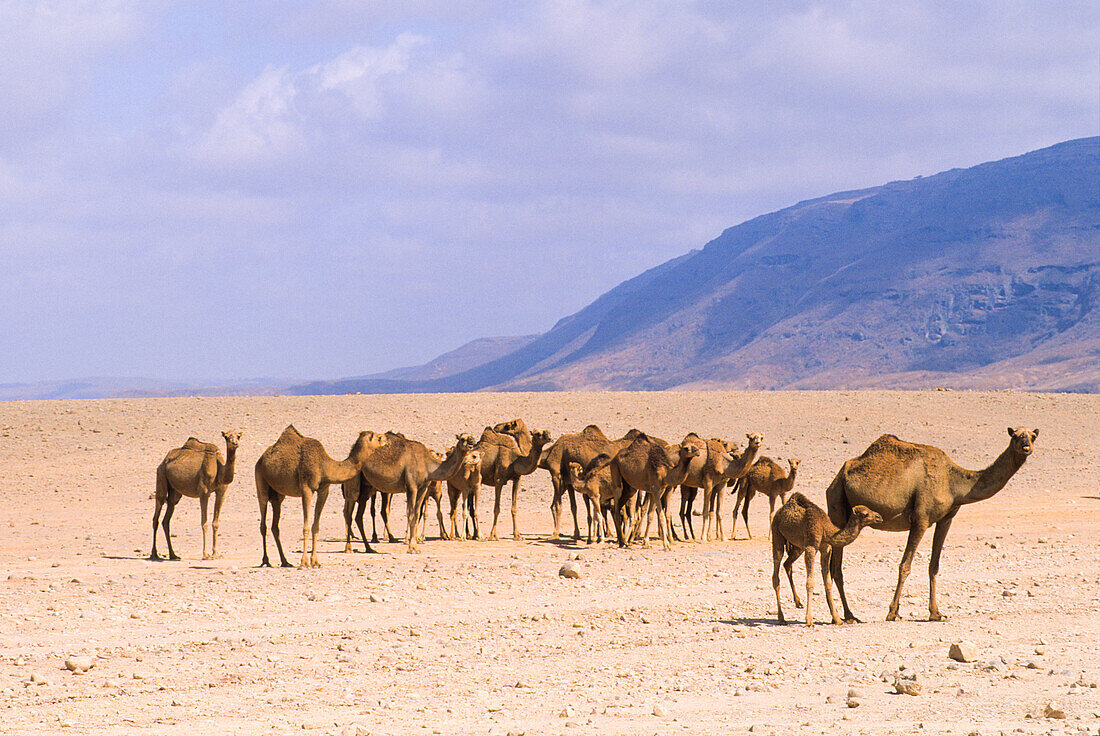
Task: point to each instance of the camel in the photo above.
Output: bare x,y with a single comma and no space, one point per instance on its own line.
712,503
502,461
195,470
707,471
462,487
597,484
913,487
407,466
651,466
802,527
765,476
298,466
580,448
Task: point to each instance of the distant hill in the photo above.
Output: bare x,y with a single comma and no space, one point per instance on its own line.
987,277
132,388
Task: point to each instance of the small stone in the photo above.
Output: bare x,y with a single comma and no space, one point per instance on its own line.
79,664
570,570
660,710
576,556
1040,650
1033,665
568,712
963,651
375,598
1054,710
855,698
906,686
37,679
521,683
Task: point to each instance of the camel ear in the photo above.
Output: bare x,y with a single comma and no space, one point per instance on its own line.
1034,433
1011,433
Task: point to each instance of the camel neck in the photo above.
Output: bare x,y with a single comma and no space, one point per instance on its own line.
447,466
847,535
986,483
225,476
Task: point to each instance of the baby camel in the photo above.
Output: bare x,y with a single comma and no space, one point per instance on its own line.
801,526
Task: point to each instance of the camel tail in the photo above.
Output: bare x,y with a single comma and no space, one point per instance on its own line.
164,488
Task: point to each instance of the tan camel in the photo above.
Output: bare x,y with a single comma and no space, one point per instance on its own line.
597,483
708,471
195,470
768,477
407,466
913,487
502,462
580,448
299,467
652,466
802,527
462,487
712,504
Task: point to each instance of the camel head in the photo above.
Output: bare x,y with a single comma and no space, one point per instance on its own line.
232,438
687,452
512,425
755,440
576,475
466,442
865,516
540,437
1022,440
794,463
472,459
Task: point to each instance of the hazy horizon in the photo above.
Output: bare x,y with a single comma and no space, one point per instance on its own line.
334,190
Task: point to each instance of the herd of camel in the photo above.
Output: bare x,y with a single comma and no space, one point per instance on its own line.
893,486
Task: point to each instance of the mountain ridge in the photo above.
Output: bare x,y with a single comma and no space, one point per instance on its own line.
933,280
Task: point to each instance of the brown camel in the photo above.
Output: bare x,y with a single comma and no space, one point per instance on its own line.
503,462
195,470
765,476
580,448
407,466
462,487
913,487
597,483
652,466
298,466
712,505
801,526
707,471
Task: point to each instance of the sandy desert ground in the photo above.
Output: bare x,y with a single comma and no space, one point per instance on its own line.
485,637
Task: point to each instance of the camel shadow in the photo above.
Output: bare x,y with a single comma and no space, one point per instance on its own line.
1092,498
142,558
750,622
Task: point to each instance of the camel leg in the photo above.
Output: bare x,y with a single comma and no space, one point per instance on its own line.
443,533
350,502
809,584
778,547
745,511
412,508
792,555
373,520
827,579
307,522
662,517
215,523
708,509
496,513
555,502
837,565
204,502
173,499
720,532
474,494
315,527
455,498
161,498
384,503
573,510
515,507
771,514
672,532
276,512
738,489
915,533
360,509
938,538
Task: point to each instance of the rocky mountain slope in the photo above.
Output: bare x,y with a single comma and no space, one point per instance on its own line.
987,277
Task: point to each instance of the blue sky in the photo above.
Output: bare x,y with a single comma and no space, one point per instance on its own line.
207,190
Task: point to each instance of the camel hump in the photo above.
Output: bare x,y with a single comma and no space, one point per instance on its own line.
290,433
799,500
598,462
593,432
193,443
